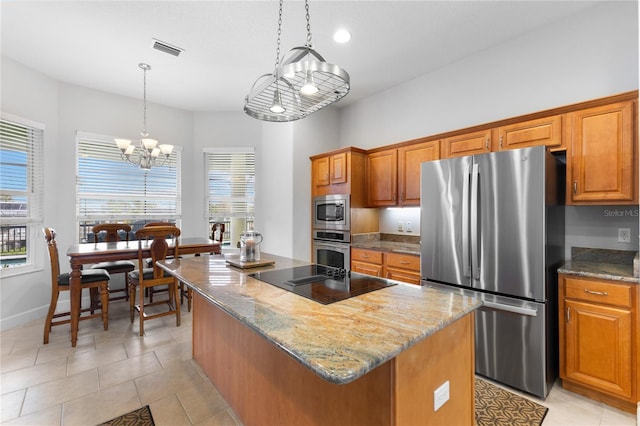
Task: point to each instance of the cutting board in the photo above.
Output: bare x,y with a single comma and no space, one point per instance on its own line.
235,261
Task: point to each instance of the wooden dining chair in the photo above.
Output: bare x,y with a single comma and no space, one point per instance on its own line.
93,279
112,234
147,278
217,232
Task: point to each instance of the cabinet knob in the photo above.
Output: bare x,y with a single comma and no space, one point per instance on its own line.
501,141
575,186
568,314
486,144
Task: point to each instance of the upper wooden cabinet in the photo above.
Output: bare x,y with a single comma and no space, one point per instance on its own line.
340,172
543,131
382,178
394,174
467,144
409,160
602,166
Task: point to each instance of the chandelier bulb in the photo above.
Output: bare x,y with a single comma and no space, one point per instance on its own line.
309,87
276,106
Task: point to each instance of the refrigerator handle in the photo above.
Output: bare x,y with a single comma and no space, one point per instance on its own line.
465,223
475,265
515,309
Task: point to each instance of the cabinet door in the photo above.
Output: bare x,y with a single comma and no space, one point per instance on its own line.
409,160
467,144
543,131
321,171
338,168
402,275
598,347
366,268
382,178
602,150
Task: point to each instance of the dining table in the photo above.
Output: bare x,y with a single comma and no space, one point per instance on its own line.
91,253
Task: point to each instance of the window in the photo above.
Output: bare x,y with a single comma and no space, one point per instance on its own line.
21,192
230,189
109,189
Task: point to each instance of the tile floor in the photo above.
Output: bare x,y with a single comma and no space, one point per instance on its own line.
111,373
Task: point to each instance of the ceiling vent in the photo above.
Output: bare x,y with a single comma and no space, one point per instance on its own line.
166,47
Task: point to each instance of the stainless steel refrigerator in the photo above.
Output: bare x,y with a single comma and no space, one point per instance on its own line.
492,225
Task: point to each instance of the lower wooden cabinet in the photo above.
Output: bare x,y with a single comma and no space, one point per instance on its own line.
598,328
391,265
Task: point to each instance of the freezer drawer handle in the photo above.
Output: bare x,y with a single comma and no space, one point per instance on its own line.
509,308
597,293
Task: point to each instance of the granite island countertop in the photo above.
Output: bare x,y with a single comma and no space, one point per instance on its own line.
616,265
340,342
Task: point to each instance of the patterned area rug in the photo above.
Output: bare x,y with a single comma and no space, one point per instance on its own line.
140,417
496,407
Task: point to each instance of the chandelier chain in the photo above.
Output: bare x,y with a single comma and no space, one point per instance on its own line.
278,42
144,132
306,7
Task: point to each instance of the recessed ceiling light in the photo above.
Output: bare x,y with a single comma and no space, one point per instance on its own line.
342,36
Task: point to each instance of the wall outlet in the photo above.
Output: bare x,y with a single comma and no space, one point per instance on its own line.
400,226
409,227
624,235
440,396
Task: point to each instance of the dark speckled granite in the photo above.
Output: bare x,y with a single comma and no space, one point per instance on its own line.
601,263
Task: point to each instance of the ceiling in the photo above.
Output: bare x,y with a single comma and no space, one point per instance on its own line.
229,44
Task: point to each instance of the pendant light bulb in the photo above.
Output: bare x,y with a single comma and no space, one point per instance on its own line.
276,106
309,87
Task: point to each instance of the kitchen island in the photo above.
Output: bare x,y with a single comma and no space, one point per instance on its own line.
378,358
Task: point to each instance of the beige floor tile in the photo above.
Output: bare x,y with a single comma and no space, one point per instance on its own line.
29,376
50,417
202,401
63,349
101,406
11,404
168,412
18,359
222,418
128,369
58,391
79,362
148,343
175,377
180,351
614,417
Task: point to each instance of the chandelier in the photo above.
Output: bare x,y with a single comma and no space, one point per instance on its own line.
302,83
150,151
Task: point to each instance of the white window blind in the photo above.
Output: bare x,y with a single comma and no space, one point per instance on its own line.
21,189
111,189
230,183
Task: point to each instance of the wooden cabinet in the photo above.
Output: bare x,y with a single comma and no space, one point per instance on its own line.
382,172
366,261
409,160
467,144
598,338
340,172
397,171
602,166
391,265
402,267
543,131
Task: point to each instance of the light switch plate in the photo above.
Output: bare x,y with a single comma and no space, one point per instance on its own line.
440,396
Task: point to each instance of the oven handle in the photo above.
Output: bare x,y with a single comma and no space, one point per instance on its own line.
332,244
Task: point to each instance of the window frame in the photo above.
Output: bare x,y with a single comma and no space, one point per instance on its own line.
35,194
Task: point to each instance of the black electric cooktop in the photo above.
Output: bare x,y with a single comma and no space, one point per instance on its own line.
322,284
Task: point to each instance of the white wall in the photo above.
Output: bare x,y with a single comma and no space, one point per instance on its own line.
590,55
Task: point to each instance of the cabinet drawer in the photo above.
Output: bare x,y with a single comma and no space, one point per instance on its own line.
403,261
598,292
369,256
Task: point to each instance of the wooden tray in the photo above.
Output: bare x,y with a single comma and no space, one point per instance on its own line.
235,261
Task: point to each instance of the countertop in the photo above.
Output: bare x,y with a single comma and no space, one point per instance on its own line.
387,242
340,342
616,265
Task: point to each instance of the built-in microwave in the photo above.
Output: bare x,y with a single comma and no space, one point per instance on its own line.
331,212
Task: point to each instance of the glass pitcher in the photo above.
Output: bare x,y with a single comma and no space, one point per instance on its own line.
250,246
